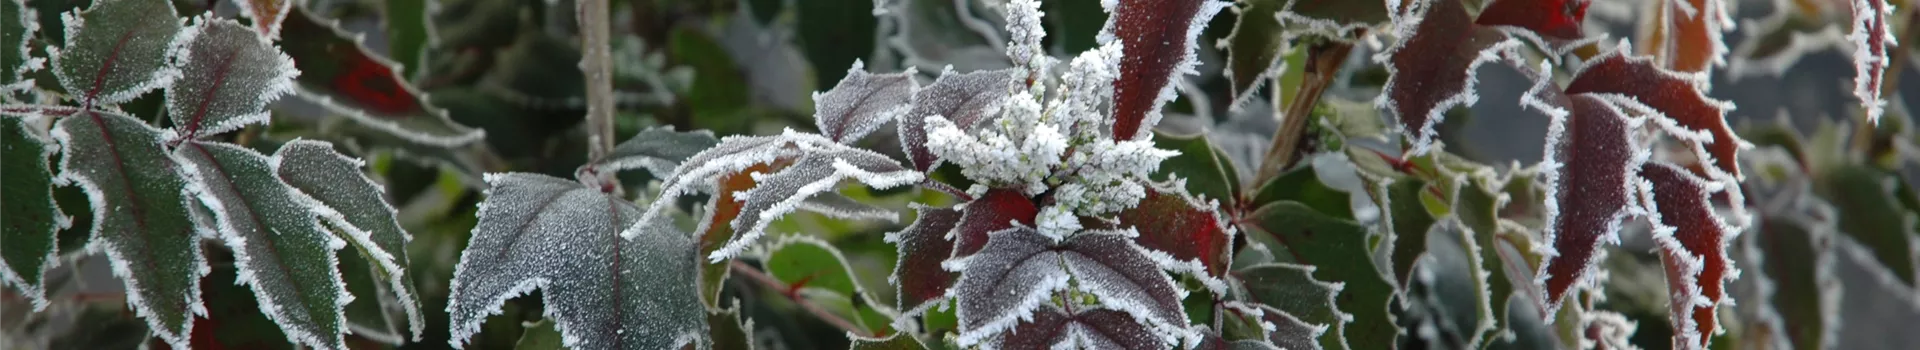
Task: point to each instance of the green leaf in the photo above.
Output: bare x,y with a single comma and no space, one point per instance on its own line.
409,33
1336,19
1410,221
602,291
1870,212
728,330
374,313
540,336
1257,48
835,33
1303,185
899,341
228,74
278,243
32,217
818,271
140,216
1291,289
348,79
1206,169
368,222
16,48
116,50
1452,284
1798,263
1338,250
658,150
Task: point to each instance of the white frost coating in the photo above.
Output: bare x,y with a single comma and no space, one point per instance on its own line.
838,206
1026,30
1116,290
1423,139
36,294
733,154
1549,168
819,171
1866,66
30,26
1189,59
312,158
1022,313
1615,329
863,102
73,21
202,91
1691,262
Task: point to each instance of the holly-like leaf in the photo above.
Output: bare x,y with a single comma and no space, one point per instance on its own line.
375,313
717,228
371,224
1869,211
1559,19
1411,223
1052,327
817,271
923,246
1207,170
1796,260
1592,156
895,342
1338,250
33,219
1871,38
1334,18
1431,70
1291,292
267,14
1449,281
602,290
997,210
1282,330
140,215
1683,108
658,150
862,102
341,74
784,191
278,244
1020,268
1191,234
728,330
228,73
1158,39
1693,242
1256,49
17,35
1686,34
966,99
116,50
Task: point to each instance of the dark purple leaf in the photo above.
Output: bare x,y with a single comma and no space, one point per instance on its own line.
995,211
1558,19
1431,70
1592,157
1171,221
923,246
1871,37
1088,328
1020,268
862,102
1693,242
1679,98
1157,37
966,99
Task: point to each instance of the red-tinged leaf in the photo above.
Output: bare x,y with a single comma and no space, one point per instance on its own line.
862,102
717,228
1089,328
1558,19
116,50
228,74
1431,70
1157,37
1020,270
966,99
266,14
995,211
1679,98
1693,242
1686,34
1592,156
1871,36
1191,232
343,75
923,246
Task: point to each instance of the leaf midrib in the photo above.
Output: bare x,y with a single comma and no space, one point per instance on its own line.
272,245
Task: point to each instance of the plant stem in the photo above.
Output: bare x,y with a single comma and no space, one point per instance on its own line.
596,62
1323,60
763,279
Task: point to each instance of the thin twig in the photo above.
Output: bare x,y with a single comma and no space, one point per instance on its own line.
597,63
742,269
1323,60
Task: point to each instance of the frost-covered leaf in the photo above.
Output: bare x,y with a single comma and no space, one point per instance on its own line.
1085,327
729,330
998,209
717,228
32,218
1192,235
371,224
1777,42
1869,211
923,246
1157,37
1281,330
1693,241
898,341
1871,38
784,191
139,199
1605,329
1205,167
862,102
1338,250
815,270
602,290
267,14
1256,50
1559,19
1797,275
1684,109
1334,18
375,313
1591,158
116,50
1431,69
16,42
1411,223
279,246
839,206
1305,186
658,150
966,99
1451,282
228,74
1686,34
1020,268
1291,291
340,73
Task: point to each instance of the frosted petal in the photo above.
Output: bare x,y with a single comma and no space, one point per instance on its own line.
1110,266
278,245
603,291
862,102
32,218
1291,290
120,53
998,209
1158,46
1191,233
16,60
371,224
141,217
228,74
